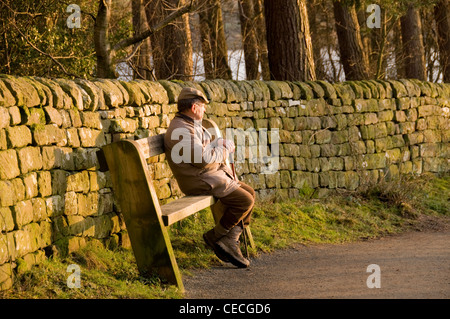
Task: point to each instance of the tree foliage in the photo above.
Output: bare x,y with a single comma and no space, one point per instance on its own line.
36,40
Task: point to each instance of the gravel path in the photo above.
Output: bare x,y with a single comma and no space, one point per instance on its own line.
414,264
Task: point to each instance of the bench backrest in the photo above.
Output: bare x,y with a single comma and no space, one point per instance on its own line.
154,145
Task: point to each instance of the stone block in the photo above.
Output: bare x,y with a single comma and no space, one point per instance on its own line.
7,99
370,118
350,120
73,91
87,204
116,83
306,92
78,182
6,276
91,137
9,165
247,88
48,135
301,179
339,137
103,226
425,110
31,185
407,127
163,189
429,150
70,203
18,136
59,181
317,107
23,91
23,243
313,123
372,161
162,170
279,90
291,150
155,91
7,193
4,251
323,136
136,96
398,89
354,134
6,219
30,159
92,95
328,150
435,165
39,209
55,206
59,99
4,117
393,156
91,120
411,87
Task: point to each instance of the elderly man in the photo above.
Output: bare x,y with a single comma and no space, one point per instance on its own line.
198,166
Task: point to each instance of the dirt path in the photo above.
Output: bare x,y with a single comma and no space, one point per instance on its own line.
414,264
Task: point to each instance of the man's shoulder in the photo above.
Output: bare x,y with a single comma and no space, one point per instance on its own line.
179,122
177,126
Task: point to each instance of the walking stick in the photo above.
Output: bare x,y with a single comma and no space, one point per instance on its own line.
244,235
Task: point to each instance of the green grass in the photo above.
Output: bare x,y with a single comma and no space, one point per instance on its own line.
374,211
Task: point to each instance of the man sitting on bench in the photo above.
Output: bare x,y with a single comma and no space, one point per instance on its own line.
198,165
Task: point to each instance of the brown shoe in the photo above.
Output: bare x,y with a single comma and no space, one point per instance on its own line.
230,245
211,239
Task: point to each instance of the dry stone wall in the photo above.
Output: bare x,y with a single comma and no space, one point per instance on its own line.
53,198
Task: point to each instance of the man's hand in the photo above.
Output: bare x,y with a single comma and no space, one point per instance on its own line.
228,144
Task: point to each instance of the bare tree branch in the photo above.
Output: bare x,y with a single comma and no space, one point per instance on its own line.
40,51
139,37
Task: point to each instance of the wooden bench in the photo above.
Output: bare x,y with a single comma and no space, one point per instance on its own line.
145,219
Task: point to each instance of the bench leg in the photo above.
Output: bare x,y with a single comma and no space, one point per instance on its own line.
155,257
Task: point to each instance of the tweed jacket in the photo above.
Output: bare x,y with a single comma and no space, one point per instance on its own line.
197,162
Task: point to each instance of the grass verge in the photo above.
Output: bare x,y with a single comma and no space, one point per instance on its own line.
373,211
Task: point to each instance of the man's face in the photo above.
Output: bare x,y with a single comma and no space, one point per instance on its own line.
198,109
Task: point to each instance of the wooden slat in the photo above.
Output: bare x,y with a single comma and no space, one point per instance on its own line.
184,207
151,146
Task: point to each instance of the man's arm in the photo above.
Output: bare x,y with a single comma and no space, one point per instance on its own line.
188,148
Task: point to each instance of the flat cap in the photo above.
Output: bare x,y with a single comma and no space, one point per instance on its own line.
191,93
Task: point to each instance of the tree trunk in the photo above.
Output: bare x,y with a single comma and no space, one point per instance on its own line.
412,45
353,57
250,45
141,60
315,22
214,44
206,43
442,17
398,52
105,68
289,41
260,25
172,46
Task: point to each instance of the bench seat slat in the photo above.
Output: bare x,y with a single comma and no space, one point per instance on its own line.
185,206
